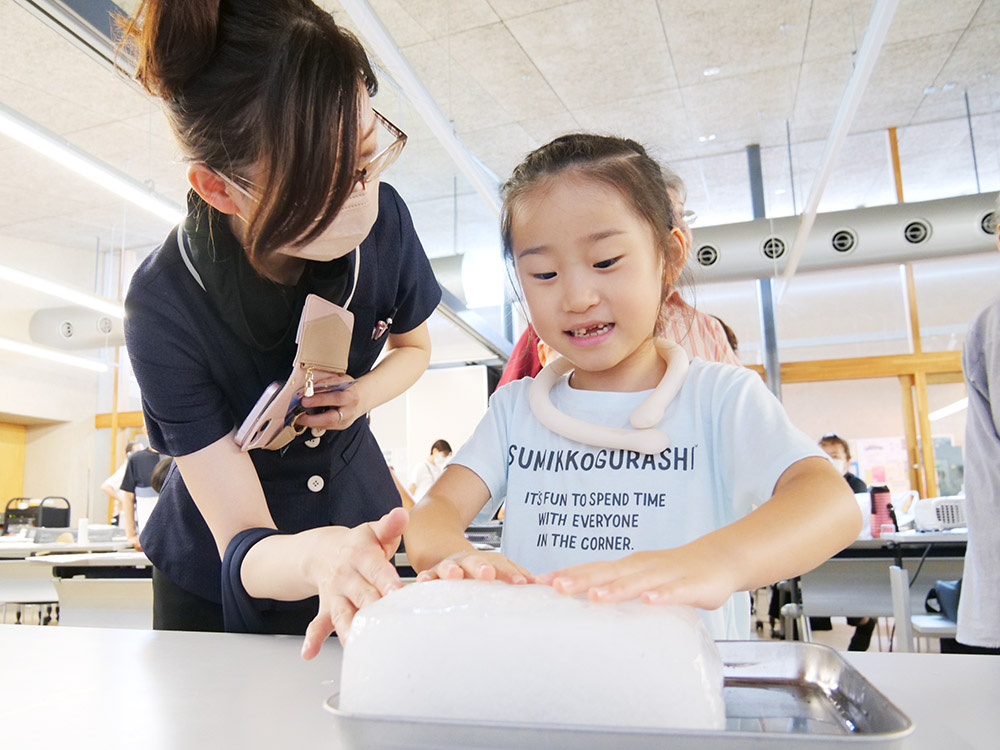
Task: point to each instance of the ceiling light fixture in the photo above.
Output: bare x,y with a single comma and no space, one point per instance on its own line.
63,292
711,71
52,355
947,411
57,148
949,86
930,89
705,138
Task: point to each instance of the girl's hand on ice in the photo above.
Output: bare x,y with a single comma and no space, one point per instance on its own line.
476,565
684,575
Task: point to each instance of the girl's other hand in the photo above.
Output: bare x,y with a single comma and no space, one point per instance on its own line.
478,566
355,571
684,575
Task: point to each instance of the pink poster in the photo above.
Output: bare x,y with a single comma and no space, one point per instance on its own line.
883,461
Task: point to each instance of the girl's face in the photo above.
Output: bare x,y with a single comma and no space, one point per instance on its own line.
592,279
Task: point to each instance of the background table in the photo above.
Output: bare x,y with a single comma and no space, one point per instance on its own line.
855,581
95,589
88,688
17,548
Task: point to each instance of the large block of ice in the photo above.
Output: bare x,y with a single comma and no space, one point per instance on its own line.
476,650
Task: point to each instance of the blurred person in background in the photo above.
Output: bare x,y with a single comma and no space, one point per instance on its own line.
979,603
426,472
112,485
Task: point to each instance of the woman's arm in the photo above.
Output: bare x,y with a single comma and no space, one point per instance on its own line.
435,537
346,567
408,355
810,517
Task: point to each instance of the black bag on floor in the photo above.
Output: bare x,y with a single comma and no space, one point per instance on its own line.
943,599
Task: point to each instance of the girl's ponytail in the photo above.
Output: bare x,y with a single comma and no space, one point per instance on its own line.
169,41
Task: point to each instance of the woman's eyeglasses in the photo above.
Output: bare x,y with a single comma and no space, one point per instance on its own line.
365,175
384,158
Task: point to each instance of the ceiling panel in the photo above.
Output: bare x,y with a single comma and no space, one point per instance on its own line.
492,56
443,18
593,57
897,83
755,37
512,74
836,28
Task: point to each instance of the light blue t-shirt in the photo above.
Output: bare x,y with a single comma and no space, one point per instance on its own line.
570,503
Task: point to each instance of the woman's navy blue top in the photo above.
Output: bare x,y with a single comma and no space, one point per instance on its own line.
200,374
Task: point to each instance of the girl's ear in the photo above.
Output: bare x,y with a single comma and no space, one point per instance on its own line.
214,190
677,255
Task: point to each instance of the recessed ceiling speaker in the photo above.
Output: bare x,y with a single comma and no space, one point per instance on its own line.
989,223
917,231
773,248
844,240
707,255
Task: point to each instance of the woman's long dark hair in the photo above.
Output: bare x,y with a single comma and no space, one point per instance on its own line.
270,85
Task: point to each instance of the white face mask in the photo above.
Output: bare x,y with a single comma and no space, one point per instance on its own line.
838,463
349,228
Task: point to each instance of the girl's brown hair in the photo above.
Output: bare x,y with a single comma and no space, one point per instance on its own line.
269,85
620,163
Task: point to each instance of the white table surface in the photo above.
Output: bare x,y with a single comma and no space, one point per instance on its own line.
927,537
98,688
125,558
15,547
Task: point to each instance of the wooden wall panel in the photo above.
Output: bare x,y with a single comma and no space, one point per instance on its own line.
12,442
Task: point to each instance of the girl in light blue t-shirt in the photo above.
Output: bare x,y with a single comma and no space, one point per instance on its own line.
627,472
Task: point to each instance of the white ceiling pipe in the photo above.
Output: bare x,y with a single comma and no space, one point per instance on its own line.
871,46
397,66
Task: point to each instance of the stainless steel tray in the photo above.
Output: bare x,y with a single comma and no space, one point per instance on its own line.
777,694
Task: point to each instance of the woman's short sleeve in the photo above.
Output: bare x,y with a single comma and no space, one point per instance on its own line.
184,407
418,292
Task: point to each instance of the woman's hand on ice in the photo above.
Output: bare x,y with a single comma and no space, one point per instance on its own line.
356,571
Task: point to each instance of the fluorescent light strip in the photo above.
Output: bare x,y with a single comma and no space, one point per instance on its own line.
66,293
52,355
57,148
947,411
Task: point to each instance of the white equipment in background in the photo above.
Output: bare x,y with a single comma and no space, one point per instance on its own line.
75,327
939,513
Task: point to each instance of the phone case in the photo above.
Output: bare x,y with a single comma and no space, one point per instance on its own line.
324,344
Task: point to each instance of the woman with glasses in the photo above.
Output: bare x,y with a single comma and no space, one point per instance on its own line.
271,104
